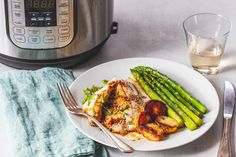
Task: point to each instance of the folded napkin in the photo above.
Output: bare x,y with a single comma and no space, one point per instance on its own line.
35,117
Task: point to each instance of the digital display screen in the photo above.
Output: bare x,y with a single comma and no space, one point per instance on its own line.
40,13
40,5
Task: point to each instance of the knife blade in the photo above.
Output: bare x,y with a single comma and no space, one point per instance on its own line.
225,149
229,98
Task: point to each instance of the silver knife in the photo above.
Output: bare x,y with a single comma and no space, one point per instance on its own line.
225,143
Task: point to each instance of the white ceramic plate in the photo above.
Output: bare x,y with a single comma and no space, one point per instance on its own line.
191,80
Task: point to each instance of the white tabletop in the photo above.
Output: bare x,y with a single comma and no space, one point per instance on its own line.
153,28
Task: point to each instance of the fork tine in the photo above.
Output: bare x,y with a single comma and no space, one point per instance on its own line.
71,98
71,104
65,98
62,95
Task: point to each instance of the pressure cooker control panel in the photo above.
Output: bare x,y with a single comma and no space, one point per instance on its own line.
41,24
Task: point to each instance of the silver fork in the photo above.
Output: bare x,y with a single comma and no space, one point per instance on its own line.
74,108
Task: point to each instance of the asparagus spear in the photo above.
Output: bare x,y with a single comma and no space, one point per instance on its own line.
176,86
182,100
153,95
194,117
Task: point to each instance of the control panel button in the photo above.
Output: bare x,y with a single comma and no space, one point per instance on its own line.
63,20
17,14
64,12
65,29
18,30
33,23
64,37
33,19
48,14
18,22
48,23
33,31
34,14
64,1
49,39
49,31
19,38
40,18
48,18
17,6
63,7
34,39
63,4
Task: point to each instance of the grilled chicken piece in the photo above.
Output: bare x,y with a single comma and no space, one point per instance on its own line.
116,123
151,131
126,106
139,89
156,131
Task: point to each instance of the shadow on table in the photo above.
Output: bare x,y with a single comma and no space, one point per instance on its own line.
228,62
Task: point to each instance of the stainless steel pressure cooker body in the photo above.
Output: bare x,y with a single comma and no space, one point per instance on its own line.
37,33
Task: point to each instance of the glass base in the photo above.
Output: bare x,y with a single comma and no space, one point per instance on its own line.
207,70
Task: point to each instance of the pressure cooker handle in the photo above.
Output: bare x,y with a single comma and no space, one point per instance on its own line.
114,27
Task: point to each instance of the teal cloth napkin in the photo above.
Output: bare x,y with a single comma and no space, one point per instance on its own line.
35,117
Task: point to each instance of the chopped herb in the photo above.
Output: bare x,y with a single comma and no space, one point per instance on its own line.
102,101
124,106
117,95
104,82
90,93
123,113
130,123
103,98
88,99
107,112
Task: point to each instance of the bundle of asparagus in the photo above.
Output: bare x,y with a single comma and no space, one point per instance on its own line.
182,106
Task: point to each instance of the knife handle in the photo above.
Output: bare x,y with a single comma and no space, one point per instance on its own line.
225,143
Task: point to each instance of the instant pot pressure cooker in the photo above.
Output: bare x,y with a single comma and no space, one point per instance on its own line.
37,33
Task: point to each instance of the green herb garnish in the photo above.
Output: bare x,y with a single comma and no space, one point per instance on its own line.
107,112
104,82
123,113
90,93
124,106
